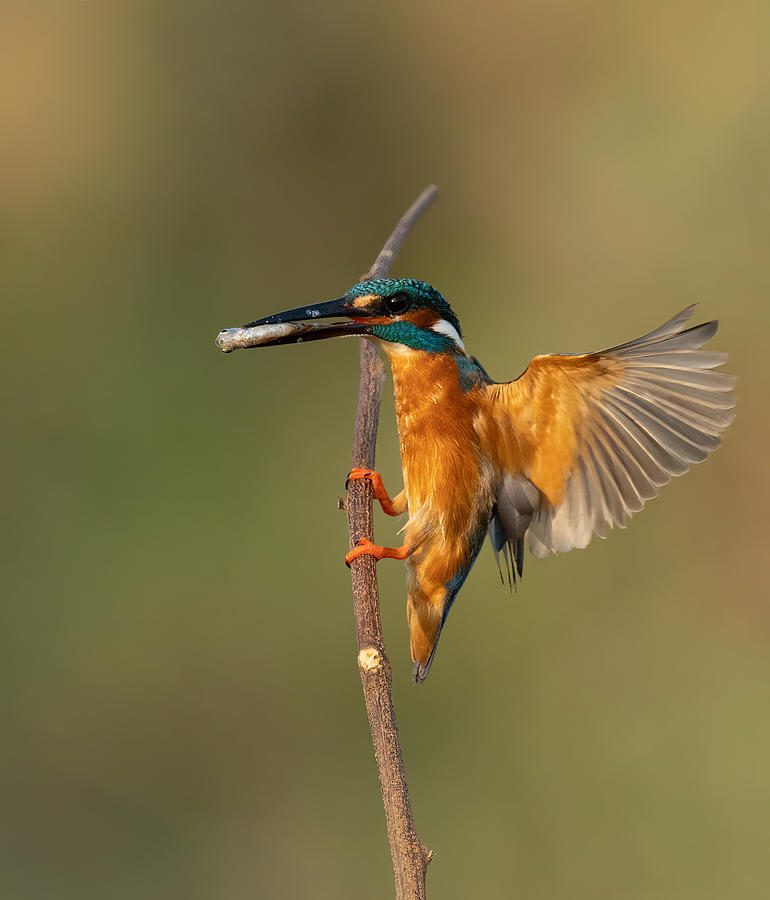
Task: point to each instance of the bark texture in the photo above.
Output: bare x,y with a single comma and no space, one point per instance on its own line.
410,856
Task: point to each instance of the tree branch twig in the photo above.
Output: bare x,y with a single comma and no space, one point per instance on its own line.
410,856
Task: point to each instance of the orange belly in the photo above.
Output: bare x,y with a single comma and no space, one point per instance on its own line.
448,483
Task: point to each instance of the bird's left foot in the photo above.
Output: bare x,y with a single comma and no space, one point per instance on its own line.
366,548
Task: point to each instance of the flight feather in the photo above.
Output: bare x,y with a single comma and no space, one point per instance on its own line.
597,434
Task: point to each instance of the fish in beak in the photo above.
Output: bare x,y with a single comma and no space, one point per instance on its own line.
297,325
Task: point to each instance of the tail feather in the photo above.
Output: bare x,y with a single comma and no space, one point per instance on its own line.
427,613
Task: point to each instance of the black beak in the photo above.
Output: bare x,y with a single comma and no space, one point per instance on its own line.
297,325
339,307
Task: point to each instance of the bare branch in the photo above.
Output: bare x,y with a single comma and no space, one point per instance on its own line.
410,856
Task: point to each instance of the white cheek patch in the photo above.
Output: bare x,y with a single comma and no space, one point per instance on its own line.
444,327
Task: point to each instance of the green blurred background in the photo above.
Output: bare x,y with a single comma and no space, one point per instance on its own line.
181,710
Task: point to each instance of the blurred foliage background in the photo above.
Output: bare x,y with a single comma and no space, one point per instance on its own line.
181,712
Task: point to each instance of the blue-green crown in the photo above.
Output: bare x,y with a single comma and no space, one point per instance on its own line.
422,295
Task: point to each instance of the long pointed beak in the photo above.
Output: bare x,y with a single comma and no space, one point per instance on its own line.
295,326
339,307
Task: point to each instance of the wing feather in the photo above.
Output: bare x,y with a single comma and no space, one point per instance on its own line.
598,434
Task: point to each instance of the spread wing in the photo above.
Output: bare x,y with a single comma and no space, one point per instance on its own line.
586,440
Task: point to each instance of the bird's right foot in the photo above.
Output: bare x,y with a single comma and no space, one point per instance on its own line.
378,488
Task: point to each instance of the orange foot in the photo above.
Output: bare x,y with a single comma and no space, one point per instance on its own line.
378,489
366,548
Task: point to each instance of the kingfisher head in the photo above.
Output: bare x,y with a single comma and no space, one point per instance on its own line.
408,313
401,313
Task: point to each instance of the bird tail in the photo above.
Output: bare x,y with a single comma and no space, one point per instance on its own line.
425,624
426,619
429,602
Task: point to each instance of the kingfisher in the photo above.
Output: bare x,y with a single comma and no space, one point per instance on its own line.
573,446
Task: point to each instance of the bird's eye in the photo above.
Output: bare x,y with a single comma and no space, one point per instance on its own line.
397,303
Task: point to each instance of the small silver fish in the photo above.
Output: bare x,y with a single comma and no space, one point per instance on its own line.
230,339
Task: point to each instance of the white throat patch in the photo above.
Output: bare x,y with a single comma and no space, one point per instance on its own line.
444,327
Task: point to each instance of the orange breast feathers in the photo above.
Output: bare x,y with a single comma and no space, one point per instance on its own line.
446,478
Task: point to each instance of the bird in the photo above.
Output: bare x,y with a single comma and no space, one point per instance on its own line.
571,448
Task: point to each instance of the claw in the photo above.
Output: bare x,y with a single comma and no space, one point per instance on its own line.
356,473
378,488
356,552
365,547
